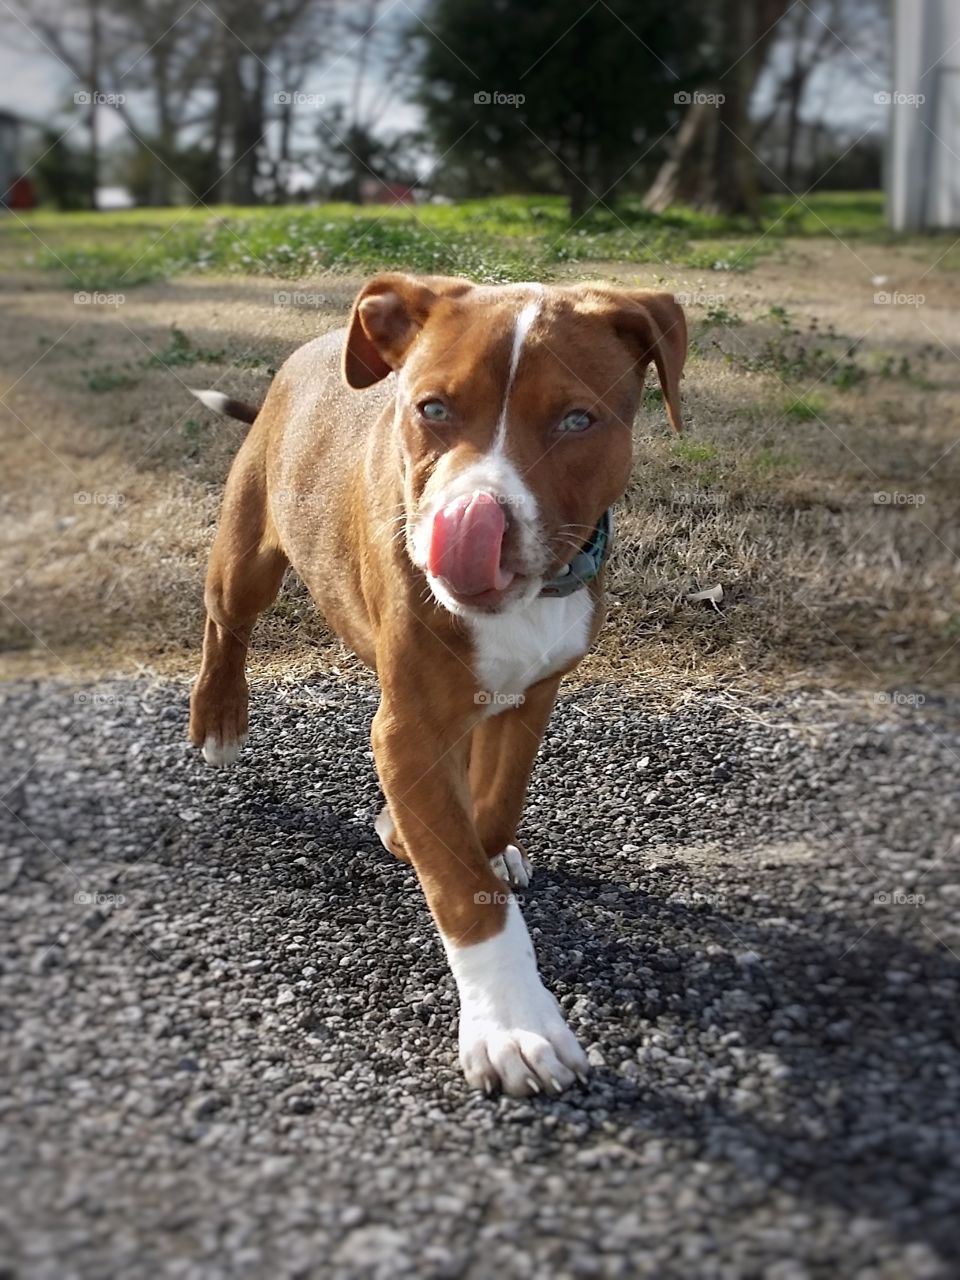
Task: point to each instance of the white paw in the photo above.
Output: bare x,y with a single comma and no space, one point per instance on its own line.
521,1050
513,866
222,754
512,1033
384,827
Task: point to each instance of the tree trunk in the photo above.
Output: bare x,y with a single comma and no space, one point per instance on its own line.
251,133
579,199
798,83
242,162
580,196
94,94
214,190
679,180
711,166
282,167
162,179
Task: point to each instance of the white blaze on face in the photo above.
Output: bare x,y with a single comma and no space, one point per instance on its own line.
522,327
495,474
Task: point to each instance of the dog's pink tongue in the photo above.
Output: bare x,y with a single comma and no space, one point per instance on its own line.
465,545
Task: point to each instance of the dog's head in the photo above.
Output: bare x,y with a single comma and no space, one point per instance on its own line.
514,406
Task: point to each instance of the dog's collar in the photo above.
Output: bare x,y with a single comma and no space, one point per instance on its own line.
586,564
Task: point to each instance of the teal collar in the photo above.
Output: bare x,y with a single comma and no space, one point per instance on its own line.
586,564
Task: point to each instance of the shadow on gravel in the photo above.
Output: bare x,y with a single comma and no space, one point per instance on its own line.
856,1028
759,1020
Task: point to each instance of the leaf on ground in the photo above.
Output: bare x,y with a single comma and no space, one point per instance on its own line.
712,594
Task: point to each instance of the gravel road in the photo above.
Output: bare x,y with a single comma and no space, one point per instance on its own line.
229,1034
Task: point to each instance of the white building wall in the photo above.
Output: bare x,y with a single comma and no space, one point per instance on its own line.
923,176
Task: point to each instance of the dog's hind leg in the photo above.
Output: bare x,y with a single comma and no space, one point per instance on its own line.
386,829
246,568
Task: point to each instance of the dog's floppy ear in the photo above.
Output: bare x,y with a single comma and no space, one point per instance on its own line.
654,325
389,312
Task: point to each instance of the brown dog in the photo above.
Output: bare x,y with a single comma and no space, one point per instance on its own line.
447,508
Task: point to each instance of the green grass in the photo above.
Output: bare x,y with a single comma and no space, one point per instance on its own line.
178,353
720,314
694,450
801,353
107,378
767,461
503,239
805,408
848,214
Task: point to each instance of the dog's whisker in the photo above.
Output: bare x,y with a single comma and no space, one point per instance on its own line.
384,525
575,528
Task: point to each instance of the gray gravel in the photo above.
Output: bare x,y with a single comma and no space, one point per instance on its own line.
229,1034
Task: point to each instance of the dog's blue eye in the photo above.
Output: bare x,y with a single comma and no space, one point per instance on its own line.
434,410
578,420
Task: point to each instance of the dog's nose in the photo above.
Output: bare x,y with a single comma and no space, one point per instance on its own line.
466,544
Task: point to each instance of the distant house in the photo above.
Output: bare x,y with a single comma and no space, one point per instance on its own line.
923,172
9,154
375,191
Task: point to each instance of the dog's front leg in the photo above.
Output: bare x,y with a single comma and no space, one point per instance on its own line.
502,754
512,1033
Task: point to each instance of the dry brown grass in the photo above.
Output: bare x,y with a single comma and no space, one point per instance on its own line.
774,501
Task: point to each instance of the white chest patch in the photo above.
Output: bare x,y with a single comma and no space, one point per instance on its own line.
514,650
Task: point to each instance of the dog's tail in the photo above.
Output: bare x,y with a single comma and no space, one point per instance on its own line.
226,406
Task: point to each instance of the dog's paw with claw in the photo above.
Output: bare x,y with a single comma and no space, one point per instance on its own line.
512,1033
512,866
218,720
522,1051
222,754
